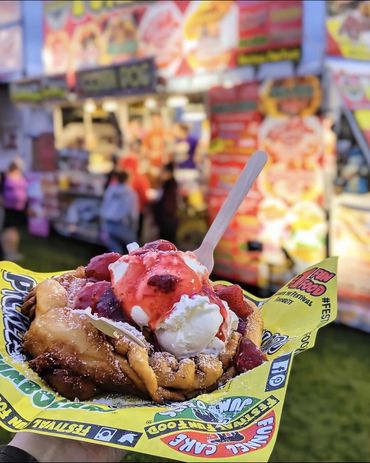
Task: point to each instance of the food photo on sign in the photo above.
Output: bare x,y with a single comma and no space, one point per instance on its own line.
148,342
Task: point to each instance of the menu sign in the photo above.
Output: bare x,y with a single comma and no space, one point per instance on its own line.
348,25
36,90
269,31
282,220
26,91
234,135
54,88
136,77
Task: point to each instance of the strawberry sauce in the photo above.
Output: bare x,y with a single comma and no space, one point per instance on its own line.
155,281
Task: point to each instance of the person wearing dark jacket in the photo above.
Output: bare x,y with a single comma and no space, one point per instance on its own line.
165,209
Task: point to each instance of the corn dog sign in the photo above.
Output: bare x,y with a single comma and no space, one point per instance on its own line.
238,422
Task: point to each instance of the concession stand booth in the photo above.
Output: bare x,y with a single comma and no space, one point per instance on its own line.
347,76
241,75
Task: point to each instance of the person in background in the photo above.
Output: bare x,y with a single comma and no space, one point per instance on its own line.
14,189
112,172
138,181
165,209
119,213
185,147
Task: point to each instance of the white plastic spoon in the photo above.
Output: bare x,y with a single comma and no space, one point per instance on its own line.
222,220
205,252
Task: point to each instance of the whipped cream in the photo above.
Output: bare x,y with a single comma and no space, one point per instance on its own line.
118,270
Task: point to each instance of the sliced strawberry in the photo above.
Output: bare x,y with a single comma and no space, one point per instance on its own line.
234,296
249,356
164,283
160,245
90,295
97,268
108,306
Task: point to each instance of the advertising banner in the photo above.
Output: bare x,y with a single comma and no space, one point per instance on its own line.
184,37
353,88
350,239
11,50
11,54
348,25
10,11
292,219
354,91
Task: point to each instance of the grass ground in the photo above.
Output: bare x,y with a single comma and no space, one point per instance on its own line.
326,415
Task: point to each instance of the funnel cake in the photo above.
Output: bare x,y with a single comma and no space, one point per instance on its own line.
195,335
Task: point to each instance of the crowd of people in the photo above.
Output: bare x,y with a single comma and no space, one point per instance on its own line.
145,183
141,192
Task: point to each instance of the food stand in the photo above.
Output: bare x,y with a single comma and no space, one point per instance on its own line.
349,212
349,101
109,54
282,222
198,47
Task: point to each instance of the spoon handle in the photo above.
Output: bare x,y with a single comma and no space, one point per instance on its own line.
248,175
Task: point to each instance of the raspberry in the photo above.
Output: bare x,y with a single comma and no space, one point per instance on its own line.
248,356
164,283
234,296
97,268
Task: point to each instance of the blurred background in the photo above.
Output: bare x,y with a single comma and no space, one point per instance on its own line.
179,94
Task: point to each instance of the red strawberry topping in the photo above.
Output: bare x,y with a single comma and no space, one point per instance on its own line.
164,283
97,268
233,295
249,356
90,294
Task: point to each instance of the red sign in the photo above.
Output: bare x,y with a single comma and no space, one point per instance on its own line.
235,123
